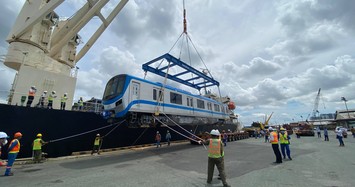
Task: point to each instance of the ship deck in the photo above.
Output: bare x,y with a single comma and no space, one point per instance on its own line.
248,163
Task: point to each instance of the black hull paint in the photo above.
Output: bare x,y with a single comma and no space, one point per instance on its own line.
56,124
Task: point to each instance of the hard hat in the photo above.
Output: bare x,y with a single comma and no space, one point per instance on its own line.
45,91
33,87
97,134
271,129
39,135
53,92
3,135
282,129
215,132
65,94
157,132
18,134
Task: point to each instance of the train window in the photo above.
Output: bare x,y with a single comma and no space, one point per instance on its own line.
154,94
216,108
200,104
223,110
209,106
175,98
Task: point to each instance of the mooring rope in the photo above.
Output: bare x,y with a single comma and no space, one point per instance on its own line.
183,135
72,136
182,127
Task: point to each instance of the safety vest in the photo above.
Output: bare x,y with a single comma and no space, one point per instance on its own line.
81,102
214,149
97,141
31,92
64,99
16,148
283,138
37,144
275,139
51,97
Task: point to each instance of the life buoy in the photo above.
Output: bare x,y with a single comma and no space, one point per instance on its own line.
231,105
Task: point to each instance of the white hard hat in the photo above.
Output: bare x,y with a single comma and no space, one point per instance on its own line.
65,94
215,132
271,129
53,92
157,132
3,135
33,87
45,91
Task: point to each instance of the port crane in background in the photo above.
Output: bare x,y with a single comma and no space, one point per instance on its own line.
43,48
266,121
315,107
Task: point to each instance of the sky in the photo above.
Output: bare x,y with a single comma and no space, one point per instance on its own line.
269,56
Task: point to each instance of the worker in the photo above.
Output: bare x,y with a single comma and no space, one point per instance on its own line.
31,95
81,103
14,149
339,133
43,97
267,134
275,144
3,142
285,143
215,157
50,99
318,132
326,137
168,137
158,139
37,148
224,137
353,132
63,101
97,144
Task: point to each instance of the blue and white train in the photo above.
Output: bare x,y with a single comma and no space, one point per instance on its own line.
137,100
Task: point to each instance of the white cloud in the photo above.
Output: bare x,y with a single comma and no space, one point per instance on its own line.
268,56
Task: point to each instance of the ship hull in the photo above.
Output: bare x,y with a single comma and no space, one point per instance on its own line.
73,131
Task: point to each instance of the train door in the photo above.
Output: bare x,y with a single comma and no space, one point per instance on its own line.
135,95
190,105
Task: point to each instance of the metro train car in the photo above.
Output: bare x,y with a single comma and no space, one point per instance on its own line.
137,100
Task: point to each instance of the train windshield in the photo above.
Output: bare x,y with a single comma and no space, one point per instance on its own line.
114,87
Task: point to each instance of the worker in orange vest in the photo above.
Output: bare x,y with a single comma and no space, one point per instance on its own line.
274,140
31,95
216,157
14,149
158,139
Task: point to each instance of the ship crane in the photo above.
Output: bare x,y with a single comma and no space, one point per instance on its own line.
43,48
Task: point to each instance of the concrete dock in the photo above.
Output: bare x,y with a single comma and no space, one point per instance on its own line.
248,162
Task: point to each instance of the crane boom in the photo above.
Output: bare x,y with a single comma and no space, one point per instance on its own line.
316,103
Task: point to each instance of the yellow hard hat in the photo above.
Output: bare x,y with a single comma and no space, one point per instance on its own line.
282,129
39,135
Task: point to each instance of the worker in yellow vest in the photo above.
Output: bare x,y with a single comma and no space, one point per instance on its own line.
216,157
285,143
37,148
274,140
63,101
50,100
97,144
14,149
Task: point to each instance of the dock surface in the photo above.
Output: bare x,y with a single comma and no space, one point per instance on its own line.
248,162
